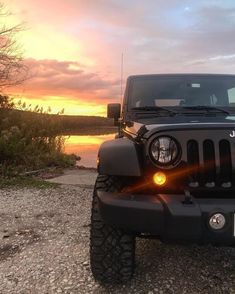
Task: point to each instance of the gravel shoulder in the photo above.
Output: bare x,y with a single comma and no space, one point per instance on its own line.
44,248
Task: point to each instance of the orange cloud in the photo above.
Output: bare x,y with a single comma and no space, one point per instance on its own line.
66,85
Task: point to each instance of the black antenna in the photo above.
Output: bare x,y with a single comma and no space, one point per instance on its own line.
121,75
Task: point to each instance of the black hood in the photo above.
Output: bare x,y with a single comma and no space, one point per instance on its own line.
147,126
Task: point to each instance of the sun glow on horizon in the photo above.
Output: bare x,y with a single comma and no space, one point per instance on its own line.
70,107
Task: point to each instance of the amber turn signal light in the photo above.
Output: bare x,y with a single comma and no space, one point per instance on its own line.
159,178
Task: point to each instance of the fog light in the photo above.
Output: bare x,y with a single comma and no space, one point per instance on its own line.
159,178
217,221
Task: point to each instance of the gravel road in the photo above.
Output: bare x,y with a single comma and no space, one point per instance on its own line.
44,246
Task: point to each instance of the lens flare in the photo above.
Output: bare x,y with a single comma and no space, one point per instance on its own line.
159,178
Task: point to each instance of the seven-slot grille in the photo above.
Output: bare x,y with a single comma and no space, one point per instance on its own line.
209,156
210,163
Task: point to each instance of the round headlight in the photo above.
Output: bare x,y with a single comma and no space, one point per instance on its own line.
164,150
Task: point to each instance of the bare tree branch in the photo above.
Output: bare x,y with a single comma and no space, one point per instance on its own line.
13,71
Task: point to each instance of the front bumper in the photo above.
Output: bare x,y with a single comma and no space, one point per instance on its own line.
168,217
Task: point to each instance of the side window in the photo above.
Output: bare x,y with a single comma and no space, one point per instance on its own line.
231,96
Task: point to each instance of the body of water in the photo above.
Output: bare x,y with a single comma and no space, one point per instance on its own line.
86,146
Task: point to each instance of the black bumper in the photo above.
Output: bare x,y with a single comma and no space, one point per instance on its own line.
167,217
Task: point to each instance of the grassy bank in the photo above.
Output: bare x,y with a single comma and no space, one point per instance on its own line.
25,182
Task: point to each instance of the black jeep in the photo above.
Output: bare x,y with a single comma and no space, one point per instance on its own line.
169,173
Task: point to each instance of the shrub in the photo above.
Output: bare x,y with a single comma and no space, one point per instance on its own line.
30,141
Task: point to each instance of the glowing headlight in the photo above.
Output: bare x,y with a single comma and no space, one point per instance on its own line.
164,150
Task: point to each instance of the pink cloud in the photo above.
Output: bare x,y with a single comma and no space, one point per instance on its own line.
53,77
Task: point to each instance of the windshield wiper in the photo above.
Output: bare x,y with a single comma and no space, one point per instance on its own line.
207,108
155,109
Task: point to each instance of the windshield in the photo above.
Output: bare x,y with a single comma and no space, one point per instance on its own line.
182,91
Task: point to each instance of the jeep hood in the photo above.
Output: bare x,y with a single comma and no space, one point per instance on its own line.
147,126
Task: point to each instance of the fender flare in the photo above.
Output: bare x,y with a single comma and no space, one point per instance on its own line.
119,157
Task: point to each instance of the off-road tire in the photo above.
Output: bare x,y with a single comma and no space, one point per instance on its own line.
112,251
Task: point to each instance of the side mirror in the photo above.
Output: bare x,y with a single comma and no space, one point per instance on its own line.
114,111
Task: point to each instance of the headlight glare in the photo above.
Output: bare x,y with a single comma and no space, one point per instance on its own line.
164,150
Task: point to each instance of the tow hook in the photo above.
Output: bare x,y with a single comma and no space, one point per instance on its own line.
188,198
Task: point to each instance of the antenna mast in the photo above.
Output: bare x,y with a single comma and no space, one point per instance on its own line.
121,75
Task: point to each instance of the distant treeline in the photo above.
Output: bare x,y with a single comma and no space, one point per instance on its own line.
71,124
65,124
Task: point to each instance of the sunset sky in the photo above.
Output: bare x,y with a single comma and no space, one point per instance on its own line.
73,48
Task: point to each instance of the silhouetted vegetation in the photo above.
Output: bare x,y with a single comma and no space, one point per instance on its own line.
29,141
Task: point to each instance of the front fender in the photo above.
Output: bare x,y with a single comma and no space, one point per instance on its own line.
119,157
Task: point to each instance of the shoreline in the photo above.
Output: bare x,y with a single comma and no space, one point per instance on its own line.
89,131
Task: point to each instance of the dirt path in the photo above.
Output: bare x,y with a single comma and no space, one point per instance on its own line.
84,178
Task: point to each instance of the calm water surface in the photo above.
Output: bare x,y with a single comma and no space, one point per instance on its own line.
86,146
